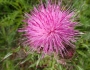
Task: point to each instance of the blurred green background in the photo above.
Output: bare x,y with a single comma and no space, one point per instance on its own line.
13,56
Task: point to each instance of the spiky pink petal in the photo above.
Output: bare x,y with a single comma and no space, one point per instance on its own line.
49,29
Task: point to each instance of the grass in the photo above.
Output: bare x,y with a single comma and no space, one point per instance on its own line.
14,56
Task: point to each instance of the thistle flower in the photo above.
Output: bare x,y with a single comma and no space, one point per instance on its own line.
50,29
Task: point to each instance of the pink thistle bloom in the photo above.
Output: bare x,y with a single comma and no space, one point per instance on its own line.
49,29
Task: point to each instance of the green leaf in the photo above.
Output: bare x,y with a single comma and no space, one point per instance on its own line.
6,56
79,68
81,53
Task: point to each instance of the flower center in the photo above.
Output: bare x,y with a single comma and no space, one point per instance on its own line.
52,31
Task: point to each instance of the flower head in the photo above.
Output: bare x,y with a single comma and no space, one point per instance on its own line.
50,29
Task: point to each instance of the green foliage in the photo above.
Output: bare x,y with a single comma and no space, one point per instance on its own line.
15,57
